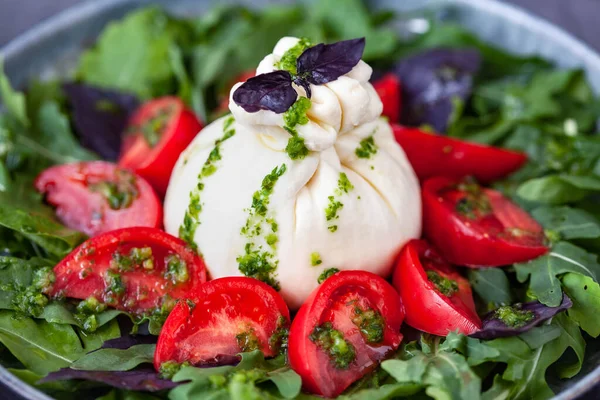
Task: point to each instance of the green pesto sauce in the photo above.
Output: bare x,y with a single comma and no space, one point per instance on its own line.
153,129
114,288
191,219
247,341
86,312
331,341
474,204
137,257
315,259
366,148
445,286
258,262
326,274
335,205
514,316
279,338
289,58
118,193
176,270
370,323
168,369
294,116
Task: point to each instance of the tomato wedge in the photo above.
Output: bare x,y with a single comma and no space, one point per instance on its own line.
347,326
388,89
432,155
157,134
97,196
223,317
223,107
139,270
475,226
436,298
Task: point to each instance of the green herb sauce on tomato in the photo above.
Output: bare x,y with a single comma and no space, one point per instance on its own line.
326,274
371,324
331,341
445,286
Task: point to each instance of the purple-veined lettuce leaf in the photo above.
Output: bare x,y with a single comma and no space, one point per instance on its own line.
325,63
431,80
272,91
100,117
127,341
142,379
495,328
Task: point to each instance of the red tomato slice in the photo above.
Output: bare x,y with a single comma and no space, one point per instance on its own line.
224,317
436,309
474,226
388,89
96,197
134,269
157,134
436,155
346,327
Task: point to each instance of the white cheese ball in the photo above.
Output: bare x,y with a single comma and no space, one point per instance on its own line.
351,204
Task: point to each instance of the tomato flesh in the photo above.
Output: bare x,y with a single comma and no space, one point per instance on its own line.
474,226
427,308
156,135
227,316
97,196
388,89
433,155
341,303
132,269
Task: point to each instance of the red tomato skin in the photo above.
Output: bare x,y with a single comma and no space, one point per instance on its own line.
79,274
223,107
388,89
318,376
255,300
461,244
156,163
77,206
437,155
427,309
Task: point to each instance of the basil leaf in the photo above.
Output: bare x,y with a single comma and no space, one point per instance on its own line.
491,285
272,91
542,272
325,63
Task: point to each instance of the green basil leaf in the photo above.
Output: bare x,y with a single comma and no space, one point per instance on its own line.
491,285
116,359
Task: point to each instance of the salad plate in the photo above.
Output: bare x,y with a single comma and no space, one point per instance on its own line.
515,96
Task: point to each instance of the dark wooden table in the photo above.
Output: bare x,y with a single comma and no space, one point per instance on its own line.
580,17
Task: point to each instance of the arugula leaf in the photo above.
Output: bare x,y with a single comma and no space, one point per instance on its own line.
585,294
567,223
116,359
247,377
41,347
526,367
132,55
542,272
492,286
443,373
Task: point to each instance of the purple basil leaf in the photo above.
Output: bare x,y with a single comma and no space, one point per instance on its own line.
125,342
324,63
301,82
495,328
430,80
272,91
100,117
143,379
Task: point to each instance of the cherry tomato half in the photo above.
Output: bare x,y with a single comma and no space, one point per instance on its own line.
97,196
157,134
436,298
475,226
432,155
344,329
388,89
224,317
134,269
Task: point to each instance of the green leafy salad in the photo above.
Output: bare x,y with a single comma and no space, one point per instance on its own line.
96,299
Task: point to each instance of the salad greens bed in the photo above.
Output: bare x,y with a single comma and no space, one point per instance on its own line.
518,103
